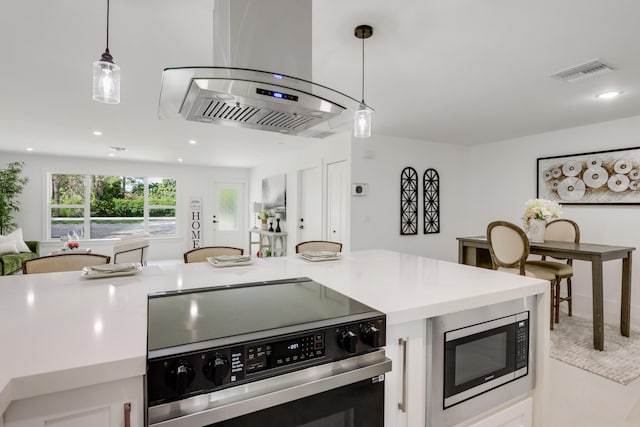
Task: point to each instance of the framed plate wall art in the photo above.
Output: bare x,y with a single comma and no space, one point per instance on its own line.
597,178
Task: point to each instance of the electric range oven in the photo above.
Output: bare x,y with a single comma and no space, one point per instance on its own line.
280,353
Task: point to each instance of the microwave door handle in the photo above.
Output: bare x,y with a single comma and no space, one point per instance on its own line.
403,403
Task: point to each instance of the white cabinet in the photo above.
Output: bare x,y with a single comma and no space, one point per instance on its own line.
102,405
405,384
517,415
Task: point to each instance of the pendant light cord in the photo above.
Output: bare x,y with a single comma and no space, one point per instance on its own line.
107,50
363,70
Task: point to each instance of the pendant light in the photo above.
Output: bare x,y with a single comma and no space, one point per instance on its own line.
362,117
106,75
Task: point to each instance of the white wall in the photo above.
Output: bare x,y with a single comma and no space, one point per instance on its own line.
375,218
501,176
324,151
191,181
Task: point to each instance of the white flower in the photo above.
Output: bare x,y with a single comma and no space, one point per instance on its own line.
540,209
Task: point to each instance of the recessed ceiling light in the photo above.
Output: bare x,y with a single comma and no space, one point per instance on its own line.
111,155
608,95
179,160
97,133
193,142
29,149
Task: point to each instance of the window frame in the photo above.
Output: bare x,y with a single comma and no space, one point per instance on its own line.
86,206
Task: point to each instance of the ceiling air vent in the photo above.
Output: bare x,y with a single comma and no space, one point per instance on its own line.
582,71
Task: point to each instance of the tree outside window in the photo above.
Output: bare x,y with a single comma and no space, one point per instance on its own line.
102,207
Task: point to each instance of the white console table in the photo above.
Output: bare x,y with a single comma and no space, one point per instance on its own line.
271,241
70,251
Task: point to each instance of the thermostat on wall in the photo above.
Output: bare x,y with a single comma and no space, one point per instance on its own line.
359,189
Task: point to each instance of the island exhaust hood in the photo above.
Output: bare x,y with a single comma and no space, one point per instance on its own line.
251,36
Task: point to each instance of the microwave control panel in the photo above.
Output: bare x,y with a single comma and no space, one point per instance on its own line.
522,343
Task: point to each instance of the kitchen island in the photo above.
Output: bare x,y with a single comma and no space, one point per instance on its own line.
60,332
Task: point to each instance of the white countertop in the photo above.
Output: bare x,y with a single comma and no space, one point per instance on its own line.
59,331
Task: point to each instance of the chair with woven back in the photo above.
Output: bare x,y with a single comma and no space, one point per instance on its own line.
63,262
509,249
201,254
561,230
318,245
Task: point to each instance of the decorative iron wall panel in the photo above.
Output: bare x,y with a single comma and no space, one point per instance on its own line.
431,183
408,201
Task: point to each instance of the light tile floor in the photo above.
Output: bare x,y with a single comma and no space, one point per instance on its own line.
582,399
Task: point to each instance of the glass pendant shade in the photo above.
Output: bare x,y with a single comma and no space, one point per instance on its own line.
362,117
362,122
106,81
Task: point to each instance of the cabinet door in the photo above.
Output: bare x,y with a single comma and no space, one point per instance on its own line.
518,415
101,405
405,384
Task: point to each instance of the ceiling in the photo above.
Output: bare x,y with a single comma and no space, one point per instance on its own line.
453,71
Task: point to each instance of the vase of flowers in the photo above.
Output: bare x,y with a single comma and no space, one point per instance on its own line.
536,214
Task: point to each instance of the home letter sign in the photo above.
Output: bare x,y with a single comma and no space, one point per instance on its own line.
195,222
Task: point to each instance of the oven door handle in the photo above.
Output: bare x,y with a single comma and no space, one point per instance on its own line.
251,397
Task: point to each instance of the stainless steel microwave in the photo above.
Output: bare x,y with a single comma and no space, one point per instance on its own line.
478,359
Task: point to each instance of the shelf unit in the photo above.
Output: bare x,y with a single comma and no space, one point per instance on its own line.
271,241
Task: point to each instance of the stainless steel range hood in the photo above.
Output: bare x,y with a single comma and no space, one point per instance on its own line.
237,93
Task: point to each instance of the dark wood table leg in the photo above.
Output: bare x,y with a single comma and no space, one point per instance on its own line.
625,304
598,318
461,259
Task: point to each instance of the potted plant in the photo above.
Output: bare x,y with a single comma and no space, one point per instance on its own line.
263,220
11,185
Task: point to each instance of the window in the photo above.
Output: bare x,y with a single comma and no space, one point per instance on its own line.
228,208
102,207
67,205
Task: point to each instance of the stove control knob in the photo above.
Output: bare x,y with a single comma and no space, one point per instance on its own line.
216,369
181,376
370,335
348,340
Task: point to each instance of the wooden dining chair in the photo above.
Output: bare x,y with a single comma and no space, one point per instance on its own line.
201,254
318,245
63,262
561,230
509,249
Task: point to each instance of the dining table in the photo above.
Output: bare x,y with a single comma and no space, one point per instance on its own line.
475,251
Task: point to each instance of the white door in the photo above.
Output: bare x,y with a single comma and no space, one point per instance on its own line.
310,200
229,220
337,199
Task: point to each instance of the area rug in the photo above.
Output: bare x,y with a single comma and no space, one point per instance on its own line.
572,343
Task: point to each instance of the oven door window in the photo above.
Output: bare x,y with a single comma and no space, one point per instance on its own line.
356,405
476,359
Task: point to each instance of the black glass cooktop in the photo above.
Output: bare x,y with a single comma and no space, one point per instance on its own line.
183,317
